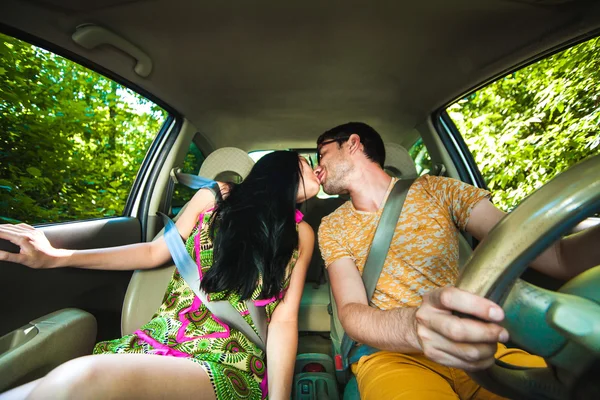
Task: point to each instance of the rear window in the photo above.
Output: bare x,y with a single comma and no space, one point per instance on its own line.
311,157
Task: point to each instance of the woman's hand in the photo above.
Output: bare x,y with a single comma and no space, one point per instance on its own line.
35,249
37,252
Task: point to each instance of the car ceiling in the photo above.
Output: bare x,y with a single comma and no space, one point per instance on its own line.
270,74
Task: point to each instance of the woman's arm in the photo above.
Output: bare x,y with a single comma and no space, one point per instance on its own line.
282,342
37,252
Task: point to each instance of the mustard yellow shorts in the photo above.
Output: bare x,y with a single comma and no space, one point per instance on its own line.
387,375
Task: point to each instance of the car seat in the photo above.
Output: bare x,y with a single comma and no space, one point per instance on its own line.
147,287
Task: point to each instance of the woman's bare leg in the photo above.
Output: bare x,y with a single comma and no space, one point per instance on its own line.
20,392
125,376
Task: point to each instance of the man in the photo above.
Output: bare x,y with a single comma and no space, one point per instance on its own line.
425,348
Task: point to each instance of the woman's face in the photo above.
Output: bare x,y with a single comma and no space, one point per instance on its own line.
311,185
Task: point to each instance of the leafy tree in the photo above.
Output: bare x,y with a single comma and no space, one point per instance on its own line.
71,140
191,165
418,152
529,126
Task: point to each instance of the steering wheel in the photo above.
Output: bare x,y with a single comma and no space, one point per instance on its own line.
564,326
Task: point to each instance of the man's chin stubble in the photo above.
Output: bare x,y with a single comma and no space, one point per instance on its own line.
333,190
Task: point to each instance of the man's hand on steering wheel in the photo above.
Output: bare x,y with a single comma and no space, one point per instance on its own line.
464,343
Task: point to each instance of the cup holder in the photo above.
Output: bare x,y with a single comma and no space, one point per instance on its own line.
314,378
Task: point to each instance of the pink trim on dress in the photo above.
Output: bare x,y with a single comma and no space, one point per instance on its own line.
264,302
218,335
264,386
160,348
195,306
165,350
298,216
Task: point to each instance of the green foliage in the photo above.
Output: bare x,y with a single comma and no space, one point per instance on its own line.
71,140
529,126
418,152
191,165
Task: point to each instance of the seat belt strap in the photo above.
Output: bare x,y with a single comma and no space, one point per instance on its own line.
361,351
382,239
258,314
189,272
259,317
380,246
193,181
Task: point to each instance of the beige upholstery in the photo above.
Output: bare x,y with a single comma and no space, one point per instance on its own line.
398,162
147,287
30,352
313,315
226,159
314,306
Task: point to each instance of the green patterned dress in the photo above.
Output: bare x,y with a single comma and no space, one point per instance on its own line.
184,327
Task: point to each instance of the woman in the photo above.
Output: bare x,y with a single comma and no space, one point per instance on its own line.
261,253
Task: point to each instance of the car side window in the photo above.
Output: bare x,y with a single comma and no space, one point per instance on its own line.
71,140
191,165
418,152
532,124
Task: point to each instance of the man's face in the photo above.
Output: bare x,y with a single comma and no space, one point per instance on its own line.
334,166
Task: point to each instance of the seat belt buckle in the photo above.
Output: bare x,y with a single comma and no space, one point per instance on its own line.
339,363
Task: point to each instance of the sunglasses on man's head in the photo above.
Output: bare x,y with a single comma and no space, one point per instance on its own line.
328,141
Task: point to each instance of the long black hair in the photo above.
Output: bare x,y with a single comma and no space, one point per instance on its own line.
254,230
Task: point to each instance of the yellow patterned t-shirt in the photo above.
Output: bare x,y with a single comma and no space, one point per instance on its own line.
424,252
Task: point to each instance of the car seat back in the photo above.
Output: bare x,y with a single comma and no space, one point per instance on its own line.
147,287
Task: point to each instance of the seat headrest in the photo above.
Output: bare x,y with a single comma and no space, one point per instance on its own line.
398,162
226,160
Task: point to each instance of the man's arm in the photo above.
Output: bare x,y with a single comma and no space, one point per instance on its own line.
386,330
565,259
432,328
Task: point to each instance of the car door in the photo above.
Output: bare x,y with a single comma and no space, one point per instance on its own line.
78,155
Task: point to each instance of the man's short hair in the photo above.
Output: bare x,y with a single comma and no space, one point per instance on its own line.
371,140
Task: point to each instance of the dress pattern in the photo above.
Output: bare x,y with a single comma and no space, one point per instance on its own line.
184,327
